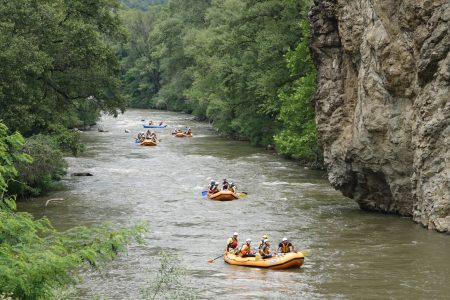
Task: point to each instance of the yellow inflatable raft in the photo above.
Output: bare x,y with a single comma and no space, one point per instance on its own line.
223,196
182,134
148,143
279,262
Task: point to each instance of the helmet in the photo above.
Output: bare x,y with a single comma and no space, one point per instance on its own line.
284,239
265,237
266,241
232,184
224,180
236,234
248,240
213,182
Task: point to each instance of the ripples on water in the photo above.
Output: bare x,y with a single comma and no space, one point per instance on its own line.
353,254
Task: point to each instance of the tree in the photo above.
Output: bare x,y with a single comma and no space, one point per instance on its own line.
298,137
239,64
141,75
57,61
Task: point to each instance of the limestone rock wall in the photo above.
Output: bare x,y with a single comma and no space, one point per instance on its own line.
383,103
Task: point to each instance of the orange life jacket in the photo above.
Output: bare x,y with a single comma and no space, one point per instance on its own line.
285,247
245,250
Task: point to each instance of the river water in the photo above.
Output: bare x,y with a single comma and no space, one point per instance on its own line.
352,254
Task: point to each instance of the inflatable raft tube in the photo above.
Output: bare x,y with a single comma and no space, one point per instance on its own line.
279,262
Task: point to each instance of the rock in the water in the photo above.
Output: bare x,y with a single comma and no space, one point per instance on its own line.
100,128
383,103
82,174
127,131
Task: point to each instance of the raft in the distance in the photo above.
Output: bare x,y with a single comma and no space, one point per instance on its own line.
182,134
279,262
155,126
148,143
223,196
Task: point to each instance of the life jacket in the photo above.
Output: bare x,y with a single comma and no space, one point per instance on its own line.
264,250
285,247
234,244
261,244
245,250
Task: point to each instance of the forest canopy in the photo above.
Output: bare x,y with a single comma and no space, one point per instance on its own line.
244,65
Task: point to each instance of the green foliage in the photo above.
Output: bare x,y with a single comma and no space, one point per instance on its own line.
9,156
170,281
35,259
141,76
245,65
68,140
141,4
47,167
58,67
239,63
298,137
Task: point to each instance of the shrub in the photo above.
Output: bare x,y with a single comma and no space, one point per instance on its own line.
68,140
47,167
170,282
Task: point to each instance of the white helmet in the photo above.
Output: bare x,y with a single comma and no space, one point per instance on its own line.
248,240
284,239
236,234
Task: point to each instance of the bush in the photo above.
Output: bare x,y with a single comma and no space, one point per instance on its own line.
170,282
47,167
68,140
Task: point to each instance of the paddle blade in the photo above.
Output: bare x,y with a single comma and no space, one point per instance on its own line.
210,260
204,193
242,194
305,252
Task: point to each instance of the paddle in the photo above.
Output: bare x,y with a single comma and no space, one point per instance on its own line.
212,260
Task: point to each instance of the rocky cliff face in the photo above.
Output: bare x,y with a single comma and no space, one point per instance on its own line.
383,103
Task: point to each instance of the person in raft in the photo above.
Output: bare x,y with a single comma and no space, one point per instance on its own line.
263,238
161,123
153,136
225,185
232,187
141,136
264,251
150,123
246,249
213,187
148,134
232,242
285,246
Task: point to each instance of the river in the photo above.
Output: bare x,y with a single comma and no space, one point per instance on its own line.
352,254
